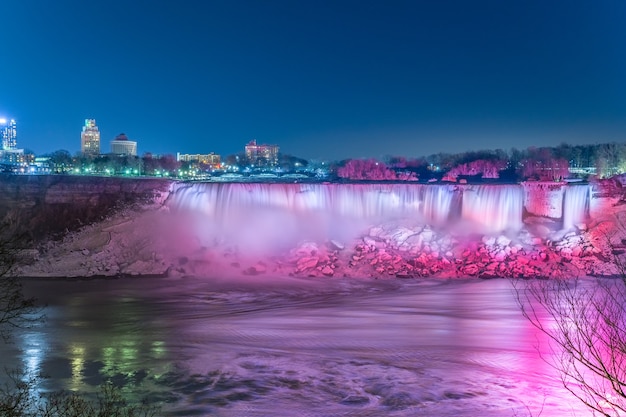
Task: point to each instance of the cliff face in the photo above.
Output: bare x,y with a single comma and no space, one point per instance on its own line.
45,204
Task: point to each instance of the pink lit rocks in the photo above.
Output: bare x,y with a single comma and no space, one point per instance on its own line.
399,252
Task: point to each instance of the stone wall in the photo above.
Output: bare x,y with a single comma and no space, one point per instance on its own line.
44,204
544,198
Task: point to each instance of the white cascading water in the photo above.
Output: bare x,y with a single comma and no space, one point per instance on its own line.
271,214
493,208
263,215
575,205
364,201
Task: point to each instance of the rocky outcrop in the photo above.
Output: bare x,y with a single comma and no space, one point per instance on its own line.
45,204
394,251
544,198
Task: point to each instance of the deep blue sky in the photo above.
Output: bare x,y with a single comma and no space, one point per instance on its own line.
325,79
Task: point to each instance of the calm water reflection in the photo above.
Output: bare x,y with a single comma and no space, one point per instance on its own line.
288,347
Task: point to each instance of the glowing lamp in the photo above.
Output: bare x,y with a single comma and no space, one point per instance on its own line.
3,121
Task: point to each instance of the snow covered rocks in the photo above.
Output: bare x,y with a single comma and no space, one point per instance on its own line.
397,251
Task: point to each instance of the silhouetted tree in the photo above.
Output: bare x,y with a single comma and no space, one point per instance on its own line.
585,321
150,164
290,163
370,169
19,396
169,163
60,161
237,160
16,310
610,159
541,164
485,168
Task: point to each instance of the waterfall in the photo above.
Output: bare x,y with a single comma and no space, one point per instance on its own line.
493,207
265,214
432,203
575,205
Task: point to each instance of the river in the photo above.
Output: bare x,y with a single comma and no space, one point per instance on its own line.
294,347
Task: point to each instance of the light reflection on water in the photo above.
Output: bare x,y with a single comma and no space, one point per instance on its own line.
295,347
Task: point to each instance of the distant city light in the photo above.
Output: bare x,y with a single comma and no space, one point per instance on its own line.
3,121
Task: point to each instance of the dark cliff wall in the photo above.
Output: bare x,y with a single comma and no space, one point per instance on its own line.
45,204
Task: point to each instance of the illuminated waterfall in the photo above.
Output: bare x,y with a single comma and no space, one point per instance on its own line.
372,202
280,213
493,207
575,205
265,216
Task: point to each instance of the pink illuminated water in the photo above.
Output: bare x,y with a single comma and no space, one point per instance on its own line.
290,347
263,216
494,208
575,205
363,201
267,215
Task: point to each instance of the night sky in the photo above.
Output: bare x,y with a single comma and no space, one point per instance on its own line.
321,79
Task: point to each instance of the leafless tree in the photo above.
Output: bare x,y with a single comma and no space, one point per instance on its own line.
19,396
585,322
16,310
20,399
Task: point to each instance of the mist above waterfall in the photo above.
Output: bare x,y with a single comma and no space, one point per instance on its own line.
267,217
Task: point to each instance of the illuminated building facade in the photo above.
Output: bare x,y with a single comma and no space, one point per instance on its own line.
213,160
262,155
122,146
90,138
8,131
16,157
9,154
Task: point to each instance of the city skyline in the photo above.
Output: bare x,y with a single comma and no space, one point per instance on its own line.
328,80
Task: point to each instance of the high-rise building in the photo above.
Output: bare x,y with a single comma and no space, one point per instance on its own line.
8,132
90,138
262,155
122,146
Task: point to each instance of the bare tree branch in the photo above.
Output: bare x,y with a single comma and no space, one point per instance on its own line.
585,321
16,310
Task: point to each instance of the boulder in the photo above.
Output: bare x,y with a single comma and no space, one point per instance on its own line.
503,240
305,263
328,271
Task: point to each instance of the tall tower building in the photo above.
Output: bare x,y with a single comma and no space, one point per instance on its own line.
8,132
90,138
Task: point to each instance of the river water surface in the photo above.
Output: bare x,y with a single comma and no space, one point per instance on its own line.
295,347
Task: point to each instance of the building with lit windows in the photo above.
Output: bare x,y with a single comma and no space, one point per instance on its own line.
90,138
212,160
9,154
122,146
261,155
8,132
16,157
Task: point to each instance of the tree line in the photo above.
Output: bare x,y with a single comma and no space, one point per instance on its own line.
533,163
